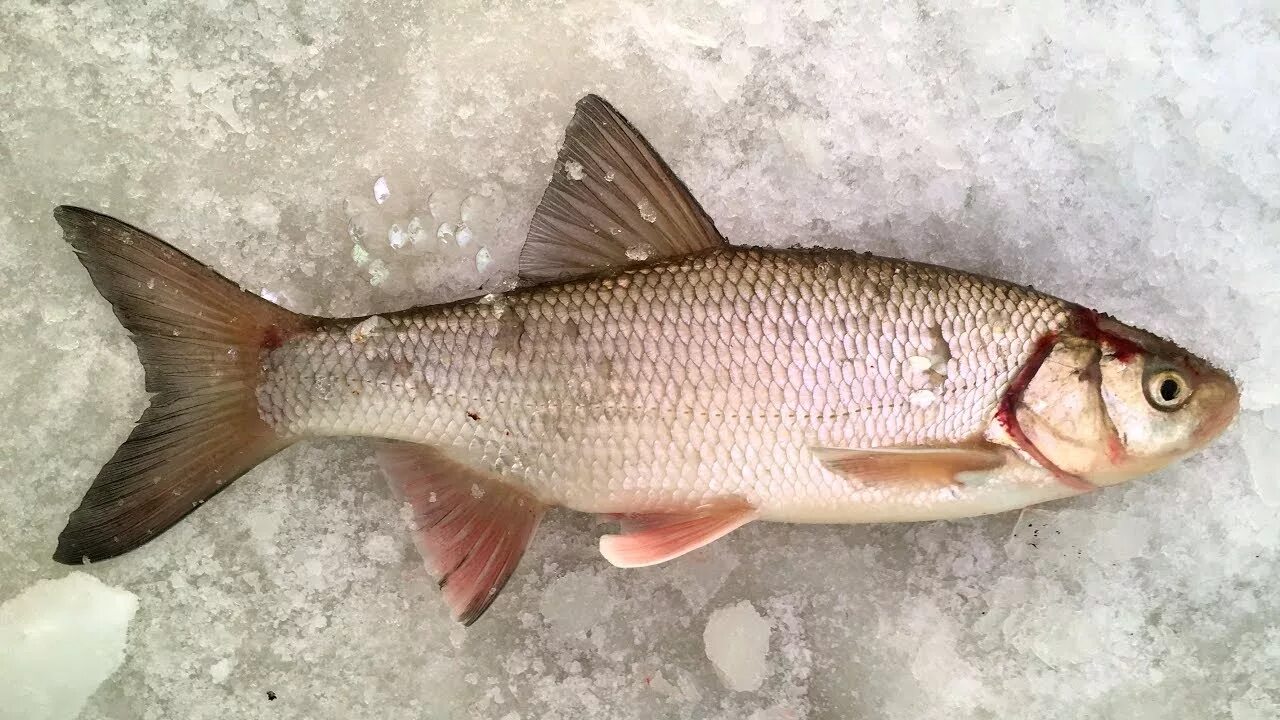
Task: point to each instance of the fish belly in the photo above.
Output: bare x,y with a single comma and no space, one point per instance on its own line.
673,385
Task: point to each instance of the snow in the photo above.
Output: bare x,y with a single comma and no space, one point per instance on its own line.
737,643
1117,154
59,640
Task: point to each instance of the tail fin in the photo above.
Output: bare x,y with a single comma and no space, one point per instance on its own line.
200,339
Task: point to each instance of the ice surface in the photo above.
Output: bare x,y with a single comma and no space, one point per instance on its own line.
1122,155
737,641
59,639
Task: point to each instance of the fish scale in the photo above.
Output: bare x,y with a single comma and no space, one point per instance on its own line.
676,384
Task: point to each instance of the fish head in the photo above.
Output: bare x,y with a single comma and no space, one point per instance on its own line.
1111,402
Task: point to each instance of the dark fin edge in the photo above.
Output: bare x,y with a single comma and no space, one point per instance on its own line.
591,218
200,339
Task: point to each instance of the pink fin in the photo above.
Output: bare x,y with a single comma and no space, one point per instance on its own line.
916,466
652,538
471,528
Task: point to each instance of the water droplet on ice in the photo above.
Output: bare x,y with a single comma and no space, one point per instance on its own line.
396,237
573,169
647,211
483,260
367,328
639,252
381,192
444,233
462,235
923,398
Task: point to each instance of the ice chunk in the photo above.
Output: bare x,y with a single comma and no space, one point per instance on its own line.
1087,114
1004,102
359,254
381,191
396,236
699,575
1260,434
919,363
383,549
736,640
639,251
221,670
576,602
483,260
367,328
59,639
463,235
415,231
445,233
573,169
923,398
647,211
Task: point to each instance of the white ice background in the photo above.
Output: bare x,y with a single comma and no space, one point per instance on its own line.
352,157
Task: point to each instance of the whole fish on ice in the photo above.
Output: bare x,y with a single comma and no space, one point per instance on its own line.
647,370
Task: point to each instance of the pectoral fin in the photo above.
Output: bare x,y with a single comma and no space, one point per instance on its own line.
652,538
913,466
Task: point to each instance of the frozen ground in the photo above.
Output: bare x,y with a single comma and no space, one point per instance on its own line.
1126,158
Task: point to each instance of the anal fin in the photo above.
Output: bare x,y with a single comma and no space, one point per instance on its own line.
471,527
651,538
909,466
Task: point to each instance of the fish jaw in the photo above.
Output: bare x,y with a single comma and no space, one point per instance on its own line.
1083,406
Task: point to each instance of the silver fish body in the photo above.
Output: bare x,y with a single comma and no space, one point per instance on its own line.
646,370
672,385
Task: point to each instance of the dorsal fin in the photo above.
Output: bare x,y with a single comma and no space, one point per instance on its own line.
611,203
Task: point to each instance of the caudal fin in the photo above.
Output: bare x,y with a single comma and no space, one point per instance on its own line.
200,339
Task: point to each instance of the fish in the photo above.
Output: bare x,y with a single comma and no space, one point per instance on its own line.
645,370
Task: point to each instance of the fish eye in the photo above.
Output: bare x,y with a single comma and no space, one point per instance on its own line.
1167,390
